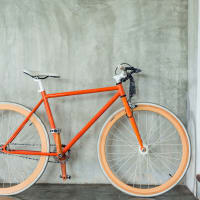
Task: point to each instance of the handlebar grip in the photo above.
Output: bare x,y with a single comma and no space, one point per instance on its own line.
133,69
130,68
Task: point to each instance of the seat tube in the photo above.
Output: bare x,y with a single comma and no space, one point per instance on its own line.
130,114
56,135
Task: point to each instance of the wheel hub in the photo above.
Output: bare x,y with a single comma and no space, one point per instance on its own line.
145,150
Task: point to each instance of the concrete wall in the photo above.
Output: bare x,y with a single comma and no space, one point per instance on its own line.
193,114
84,40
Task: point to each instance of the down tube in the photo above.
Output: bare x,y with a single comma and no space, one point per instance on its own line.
91,122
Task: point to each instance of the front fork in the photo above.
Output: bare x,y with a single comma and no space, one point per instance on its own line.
130,116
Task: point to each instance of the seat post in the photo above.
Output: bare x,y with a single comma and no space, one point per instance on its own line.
41,88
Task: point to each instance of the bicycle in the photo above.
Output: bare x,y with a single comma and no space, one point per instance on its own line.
143,148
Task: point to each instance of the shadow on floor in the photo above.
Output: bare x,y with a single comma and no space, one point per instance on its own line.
92,192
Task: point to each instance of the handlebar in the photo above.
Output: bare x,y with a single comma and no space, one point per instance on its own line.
126,74
129,68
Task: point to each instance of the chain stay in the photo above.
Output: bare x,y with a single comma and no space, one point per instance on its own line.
29,158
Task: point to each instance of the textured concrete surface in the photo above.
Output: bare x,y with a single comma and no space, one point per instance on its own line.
193,92
193,106
93,192
84,40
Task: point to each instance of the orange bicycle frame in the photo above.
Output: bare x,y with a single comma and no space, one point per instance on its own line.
61,151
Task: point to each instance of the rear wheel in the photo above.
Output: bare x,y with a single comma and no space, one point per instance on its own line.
19,172
153,171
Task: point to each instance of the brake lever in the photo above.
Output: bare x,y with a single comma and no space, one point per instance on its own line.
135,70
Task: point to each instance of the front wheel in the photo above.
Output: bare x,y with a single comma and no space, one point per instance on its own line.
160,167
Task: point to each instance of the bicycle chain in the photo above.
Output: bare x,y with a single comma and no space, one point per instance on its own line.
25,157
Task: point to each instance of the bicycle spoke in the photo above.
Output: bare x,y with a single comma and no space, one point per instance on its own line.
165,137
166,144
123,159
122,141
125,138
131,132
136,169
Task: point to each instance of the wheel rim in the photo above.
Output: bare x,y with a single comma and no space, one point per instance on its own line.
142,189
20,173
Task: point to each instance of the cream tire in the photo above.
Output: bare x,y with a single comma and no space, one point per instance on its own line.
157,190
43,137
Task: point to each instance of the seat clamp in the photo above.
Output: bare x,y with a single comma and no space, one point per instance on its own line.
58,131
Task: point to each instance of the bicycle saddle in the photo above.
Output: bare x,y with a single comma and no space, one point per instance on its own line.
39,75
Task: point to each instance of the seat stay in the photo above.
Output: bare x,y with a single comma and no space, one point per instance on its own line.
18,130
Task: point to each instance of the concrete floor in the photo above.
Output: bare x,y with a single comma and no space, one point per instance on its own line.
92,192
